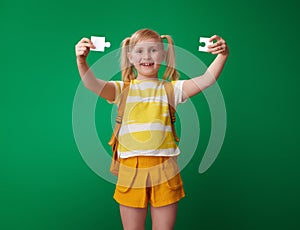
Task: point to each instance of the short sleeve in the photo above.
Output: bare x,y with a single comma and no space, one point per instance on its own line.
178,85
118,90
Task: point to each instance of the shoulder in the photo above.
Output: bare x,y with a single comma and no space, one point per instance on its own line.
118,84
178,84
118,90
178,88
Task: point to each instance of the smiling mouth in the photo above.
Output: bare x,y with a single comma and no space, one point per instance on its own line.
147,64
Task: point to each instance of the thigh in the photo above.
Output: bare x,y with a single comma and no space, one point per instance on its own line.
163,218
133,218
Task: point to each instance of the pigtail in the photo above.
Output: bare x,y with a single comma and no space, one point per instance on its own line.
171,71
126,67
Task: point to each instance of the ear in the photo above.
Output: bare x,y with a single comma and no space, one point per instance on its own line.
164,55
129,57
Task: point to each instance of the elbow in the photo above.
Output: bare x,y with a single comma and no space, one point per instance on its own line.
87,85
210,82
91,87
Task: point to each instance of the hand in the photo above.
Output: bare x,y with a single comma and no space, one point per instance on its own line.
219,47
82,49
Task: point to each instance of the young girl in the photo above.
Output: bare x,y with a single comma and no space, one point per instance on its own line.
147,151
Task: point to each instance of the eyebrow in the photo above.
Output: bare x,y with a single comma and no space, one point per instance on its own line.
148,47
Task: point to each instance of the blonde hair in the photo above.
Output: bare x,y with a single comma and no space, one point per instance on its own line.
127,69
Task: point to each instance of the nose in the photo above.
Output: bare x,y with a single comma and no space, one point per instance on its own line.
146,55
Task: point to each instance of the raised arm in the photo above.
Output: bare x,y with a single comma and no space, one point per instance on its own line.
195,85
102,88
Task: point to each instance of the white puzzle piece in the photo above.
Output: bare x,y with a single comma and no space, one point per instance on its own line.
207,43
100,43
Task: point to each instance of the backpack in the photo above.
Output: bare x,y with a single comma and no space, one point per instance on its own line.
115,164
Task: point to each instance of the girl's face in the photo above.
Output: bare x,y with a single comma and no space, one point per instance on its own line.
146,56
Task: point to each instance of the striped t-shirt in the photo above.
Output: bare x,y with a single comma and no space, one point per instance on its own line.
146,125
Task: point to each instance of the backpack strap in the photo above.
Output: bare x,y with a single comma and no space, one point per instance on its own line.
121,109
171,101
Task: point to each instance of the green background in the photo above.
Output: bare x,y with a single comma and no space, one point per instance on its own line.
253,184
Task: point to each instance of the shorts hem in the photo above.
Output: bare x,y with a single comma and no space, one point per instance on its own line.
168,202
162,204
130,205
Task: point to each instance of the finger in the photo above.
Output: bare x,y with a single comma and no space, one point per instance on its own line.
81,48
218,49
219,52
214,37
218,43
89,45
84,48
86,42
215,48
82,51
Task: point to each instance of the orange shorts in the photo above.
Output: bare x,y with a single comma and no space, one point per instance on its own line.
144,179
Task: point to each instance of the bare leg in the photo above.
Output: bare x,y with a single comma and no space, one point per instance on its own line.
133,218
163,218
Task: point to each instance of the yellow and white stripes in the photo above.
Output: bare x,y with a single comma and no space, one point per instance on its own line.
146,126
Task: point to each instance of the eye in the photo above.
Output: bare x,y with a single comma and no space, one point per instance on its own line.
139,51
154,50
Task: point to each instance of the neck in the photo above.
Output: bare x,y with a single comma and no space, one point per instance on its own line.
139,77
